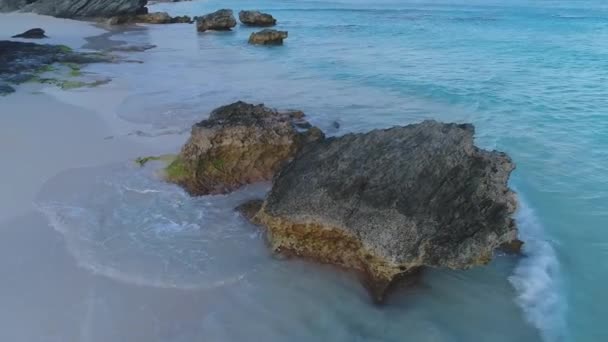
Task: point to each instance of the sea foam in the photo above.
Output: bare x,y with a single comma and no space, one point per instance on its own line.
537,278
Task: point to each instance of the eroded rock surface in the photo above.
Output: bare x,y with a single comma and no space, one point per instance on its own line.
256,18
222,20
238,144
76,8
268,37
388,202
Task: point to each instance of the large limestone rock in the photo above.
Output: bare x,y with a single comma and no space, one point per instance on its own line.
239,144
388,202
268,37
76,8
256,18
222,20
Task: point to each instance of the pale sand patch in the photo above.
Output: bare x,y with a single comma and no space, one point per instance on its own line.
45,130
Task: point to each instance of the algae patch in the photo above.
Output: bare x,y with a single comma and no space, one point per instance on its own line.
65,49
176,171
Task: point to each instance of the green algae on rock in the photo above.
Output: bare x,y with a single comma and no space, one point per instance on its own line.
25,62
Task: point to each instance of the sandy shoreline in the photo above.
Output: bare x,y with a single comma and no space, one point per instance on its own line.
45,130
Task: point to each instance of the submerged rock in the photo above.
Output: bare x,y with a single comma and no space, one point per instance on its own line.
388,202
76,8
131,48
256,18
35,33
239,144
268,37
21,62
222,20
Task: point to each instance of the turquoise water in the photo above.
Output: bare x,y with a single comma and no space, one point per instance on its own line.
531,76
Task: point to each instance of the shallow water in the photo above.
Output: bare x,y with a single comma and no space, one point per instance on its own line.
529,74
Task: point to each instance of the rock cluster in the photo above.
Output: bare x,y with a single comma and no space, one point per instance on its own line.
238,144
384,203
221,20
256,18
268,37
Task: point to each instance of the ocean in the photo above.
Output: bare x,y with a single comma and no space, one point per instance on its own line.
531,75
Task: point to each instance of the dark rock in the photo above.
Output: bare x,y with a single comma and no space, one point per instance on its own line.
250,208
153,18
6,89
388,202
256,18
131,48
20,62
222,20
268,37
184,19
75,8
35,33
150,18
512,247
239,144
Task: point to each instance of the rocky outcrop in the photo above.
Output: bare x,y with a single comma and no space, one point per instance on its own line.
389,202
149,18
35,33
222,20
238,144
76,8
268,37
256,18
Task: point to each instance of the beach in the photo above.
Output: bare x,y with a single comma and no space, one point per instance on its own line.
95,247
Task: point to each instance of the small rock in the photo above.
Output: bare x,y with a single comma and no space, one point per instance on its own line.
153,18
6,89
184,19
256,18
35,33
268,37
222,20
